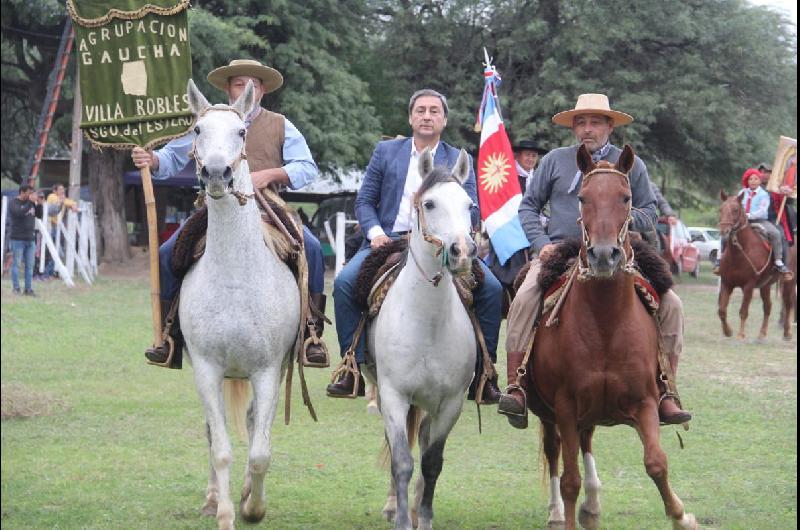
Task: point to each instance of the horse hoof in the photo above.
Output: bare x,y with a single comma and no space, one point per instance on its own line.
687,522
555,524
588,520
389,514
209,509
787,338
252,517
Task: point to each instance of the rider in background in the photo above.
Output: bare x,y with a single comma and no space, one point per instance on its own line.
755,201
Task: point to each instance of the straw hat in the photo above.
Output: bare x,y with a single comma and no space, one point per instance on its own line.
270,78
592,104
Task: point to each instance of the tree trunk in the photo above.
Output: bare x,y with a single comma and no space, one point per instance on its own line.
108,194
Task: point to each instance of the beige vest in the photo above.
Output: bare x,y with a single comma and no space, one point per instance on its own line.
264,144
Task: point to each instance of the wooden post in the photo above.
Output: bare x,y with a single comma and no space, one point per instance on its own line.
76,148
43,248
152,241
780,213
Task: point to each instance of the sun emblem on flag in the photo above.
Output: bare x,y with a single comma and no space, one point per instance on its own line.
494,173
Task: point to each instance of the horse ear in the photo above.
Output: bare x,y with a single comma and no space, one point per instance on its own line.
585,163
244,104
461,169
425,162
197,101
626,159
723,196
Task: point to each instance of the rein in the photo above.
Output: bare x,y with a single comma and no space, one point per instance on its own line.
584,272
241,197
440,250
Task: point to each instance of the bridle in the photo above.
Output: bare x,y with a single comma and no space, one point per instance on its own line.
732,235
241,197
584,272
439,248
738,224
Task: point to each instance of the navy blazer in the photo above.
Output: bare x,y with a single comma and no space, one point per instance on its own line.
378,200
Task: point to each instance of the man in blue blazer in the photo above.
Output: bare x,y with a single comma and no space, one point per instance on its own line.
383,208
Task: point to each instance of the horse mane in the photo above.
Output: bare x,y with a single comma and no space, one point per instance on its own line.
438,175
647,260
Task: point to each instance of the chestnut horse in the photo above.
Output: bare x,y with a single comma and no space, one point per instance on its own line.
597,365
746,263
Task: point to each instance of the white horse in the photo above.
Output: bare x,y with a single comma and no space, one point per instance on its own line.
239,310
422,340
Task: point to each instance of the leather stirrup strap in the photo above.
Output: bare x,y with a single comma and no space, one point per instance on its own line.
166,337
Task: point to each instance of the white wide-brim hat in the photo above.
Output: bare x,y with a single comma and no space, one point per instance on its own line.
271,79
592,104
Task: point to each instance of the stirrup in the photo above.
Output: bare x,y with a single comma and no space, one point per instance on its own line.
314,339
507,392
348,364
169,343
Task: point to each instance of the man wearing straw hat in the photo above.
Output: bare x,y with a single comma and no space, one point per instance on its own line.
278,156
557,181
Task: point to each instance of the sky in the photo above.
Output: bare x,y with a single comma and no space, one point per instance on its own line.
787,6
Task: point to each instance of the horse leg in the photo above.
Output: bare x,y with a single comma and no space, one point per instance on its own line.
766,302
551,444
208,379
212,489
432,457
395,410
266,385
389,511
589,514
571,475
655,463
722,310
424,440
744,309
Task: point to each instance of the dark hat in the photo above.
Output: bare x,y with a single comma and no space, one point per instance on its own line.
763,166
529,145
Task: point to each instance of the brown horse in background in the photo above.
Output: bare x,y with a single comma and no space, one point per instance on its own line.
597,366
746,263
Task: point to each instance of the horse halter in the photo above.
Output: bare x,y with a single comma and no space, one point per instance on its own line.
584,272
736,225
241,197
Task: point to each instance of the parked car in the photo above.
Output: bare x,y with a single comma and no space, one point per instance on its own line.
707,240
678,249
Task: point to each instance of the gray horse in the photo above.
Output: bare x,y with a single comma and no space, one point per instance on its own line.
422,340
240,307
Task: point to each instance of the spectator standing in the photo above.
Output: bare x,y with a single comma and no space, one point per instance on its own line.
24,210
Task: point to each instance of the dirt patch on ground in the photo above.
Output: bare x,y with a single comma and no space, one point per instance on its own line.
19,401
136,267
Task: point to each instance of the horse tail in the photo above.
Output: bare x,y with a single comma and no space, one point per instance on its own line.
236,394
413,421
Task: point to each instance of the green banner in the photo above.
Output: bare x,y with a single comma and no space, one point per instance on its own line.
134,63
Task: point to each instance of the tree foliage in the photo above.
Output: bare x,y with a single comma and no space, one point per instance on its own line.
712,84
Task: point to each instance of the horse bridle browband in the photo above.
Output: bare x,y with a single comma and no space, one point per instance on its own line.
241,197
583,267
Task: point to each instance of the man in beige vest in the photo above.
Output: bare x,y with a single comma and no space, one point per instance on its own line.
278,156
557,182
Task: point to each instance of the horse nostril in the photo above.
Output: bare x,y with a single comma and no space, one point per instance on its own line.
454,250
204,171
228,173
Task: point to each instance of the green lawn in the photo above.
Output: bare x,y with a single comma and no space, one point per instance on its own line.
115,443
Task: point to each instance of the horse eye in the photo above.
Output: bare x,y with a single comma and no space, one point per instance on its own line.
428,205
580,199
197,130
241,133
626,199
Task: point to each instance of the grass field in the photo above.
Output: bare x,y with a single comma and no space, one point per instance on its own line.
97,439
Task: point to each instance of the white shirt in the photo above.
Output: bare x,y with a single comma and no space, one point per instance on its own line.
413,181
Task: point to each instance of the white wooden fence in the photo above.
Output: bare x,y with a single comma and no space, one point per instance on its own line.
79,249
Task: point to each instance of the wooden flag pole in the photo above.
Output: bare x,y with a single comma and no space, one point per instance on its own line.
152,240
780,211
